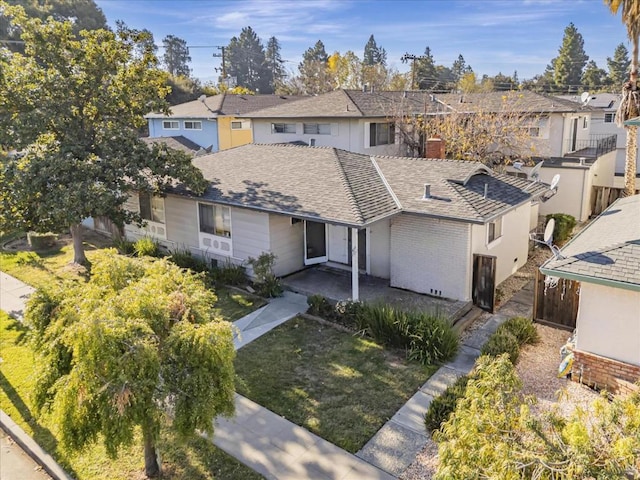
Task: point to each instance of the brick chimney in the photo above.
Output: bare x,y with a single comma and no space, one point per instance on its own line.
435,148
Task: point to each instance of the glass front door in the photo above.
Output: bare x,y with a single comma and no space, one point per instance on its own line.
315,242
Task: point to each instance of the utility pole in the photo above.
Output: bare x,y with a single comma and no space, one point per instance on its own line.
405,58
221,55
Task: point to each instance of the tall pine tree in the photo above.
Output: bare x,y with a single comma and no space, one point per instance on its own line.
424,73
594,78
571,59
373,54
245,60
313,70
274,63
176,56
619,65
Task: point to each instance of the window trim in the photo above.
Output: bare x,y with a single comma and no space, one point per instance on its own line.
585,122
172,122
194,123
611,116
226,233
274,128
498,225
316,128
236,122
374,140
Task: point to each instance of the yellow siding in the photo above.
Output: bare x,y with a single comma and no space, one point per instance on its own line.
233,138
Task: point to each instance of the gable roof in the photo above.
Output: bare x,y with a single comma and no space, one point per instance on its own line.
225,104
599,101
607,251
333,185
359,104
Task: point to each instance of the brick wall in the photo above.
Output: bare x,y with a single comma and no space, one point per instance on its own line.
604,373
435,148
431,256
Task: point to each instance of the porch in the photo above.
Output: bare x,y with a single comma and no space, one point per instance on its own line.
335,284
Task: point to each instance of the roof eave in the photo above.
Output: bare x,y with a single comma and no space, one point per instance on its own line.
589,279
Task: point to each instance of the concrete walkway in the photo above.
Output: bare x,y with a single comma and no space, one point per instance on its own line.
13,295
395,446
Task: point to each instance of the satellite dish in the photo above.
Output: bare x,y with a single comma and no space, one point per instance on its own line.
585,97
548,231
518,166
554,182
534,174
202,98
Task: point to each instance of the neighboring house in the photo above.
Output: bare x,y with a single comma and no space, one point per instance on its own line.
212,122
605,259
604,108
420,223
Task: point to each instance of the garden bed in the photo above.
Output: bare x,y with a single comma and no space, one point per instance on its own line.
340,386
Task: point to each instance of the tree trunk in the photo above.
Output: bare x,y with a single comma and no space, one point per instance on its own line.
151,465
78,248
630,161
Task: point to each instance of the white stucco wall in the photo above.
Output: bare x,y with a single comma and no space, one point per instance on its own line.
431,256
287,243
511,249
608,322
574,191
379,249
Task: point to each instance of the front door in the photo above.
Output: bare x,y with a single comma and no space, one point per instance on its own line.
338,245
315,243
484,282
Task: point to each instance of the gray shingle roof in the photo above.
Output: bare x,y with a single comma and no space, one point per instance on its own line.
356,104
355,189
607,249
225,104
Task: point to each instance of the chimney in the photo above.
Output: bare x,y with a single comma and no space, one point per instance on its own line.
435,148
427,190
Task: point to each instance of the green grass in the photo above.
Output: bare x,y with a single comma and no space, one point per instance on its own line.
233,304
196,458
339,386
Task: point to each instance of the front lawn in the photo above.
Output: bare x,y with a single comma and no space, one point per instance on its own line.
196,458
339,386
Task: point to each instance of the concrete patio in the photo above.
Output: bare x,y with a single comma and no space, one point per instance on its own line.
335,285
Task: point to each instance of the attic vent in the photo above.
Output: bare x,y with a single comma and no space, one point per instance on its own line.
312,142
486,190
427,190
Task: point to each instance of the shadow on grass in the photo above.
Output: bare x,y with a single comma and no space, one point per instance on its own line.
22,330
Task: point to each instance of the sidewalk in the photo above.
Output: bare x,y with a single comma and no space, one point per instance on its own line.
13,295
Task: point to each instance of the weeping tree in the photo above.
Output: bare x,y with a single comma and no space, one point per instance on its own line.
70,107
135,346
630,103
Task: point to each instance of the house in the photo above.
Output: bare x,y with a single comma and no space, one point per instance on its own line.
605,259
422,224
212,122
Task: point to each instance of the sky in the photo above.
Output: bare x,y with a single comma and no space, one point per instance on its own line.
493,35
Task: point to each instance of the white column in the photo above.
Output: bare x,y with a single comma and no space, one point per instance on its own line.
355,287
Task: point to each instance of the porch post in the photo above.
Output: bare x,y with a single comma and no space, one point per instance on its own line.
355,288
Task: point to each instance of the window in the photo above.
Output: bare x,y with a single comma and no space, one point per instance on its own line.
494,230
151,207
283,128
585,122
533,131
317,128
609,117
236,125
382,134
192,125
215,220
171,125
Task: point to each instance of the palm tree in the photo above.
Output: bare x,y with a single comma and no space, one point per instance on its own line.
630,102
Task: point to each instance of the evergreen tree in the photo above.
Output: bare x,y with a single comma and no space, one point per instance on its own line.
503,82
619,65
571,59
274,63
373,54
246,61
594,78
176,56
425,75
313,70
459,68
144,41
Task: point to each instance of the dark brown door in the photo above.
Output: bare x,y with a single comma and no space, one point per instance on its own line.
484,282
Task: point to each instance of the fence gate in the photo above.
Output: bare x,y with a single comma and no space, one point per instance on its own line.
484,282
556,306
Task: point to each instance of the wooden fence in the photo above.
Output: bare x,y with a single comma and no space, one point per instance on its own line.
556,306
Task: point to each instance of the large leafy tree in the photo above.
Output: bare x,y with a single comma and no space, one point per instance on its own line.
619,65
176,56
630,103
246,60
571,59
137,343
85,14
70,108
345,70
313,70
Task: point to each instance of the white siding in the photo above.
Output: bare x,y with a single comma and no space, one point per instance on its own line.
608,322
249,232
287,243
431,256
379,250
182,221
512,248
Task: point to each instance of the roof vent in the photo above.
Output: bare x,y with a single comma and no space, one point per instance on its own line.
365,87
427,190
582,160
486,190
312,142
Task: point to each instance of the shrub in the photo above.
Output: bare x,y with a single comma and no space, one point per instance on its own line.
346,312
384,324
267,284
502,342
146,247
185,259
41,241
320,307
229,274
124,246
563,228
442,406
523,329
